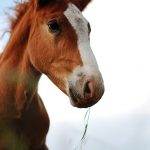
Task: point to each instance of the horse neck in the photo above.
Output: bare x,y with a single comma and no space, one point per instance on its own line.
17,73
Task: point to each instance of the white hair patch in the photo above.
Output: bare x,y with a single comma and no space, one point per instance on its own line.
80,25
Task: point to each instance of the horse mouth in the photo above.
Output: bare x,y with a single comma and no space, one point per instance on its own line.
73,96
78,101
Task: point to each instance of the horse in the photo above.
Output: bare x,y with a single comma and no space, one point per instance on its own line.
48,37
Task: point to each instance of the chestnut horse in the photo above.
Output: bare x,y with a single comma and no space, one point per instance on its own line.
50,37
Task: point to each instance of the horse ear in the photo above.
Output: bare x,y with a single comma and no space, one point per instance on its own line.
42,3
81,4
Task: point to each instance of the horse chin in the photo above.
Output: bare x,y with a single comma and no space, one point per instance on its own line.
81,104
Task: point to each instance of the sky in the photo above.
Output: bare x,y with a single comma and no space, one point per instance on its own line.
120,40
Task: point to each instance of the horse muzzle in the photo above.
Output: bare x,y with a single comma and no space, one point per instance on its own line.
86,90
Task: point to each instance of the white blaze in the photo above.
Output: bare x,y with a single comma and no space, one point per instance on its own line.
80,25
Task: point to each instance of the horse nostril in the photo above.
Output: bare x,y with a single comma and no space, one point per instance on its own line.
89,89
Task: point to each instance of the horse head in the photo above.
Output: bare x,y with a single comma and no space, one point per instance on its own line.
59,46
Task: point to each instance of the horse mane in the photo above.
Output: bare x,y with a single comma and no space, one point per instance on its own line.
20,9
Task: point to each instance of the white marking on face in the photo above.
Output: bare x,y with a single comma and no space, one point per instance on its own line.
80,25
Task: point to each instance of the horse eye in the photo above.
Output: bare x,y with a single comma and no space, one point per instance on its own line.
53,26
